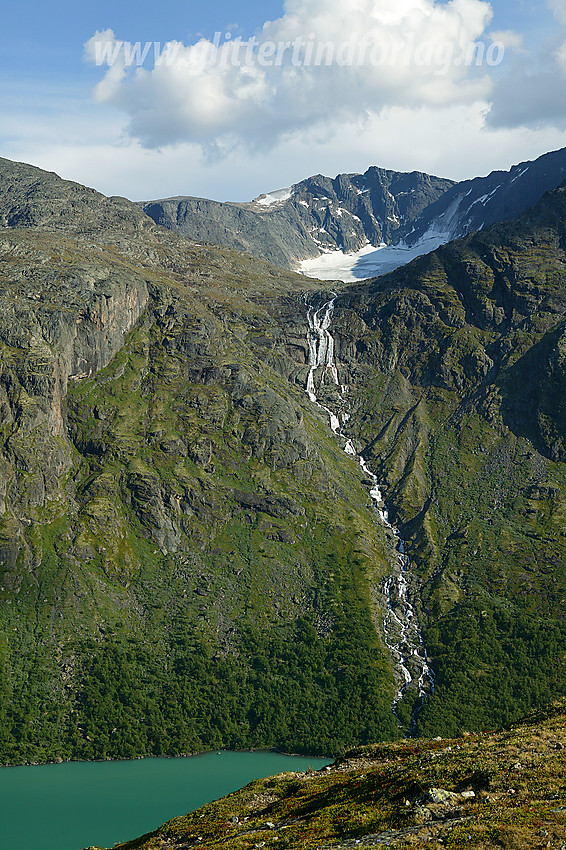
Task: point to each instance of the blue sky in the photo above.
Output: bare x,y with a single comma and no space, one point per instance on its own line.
233,132
49,36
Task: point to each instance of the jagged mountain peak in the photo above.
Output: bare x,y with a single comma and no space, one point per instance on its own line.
309,218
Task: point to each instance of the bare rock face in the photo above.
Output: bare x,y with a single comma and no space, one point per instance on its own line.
61,320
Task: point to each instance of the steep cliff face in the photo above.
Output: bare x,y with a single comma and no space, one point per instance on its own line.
62,318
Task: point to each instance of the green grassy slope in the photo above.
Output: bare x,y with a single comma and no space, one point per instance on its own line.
457,370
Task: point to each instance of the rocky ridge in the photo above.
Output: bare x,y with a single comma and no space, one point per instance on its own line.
318,214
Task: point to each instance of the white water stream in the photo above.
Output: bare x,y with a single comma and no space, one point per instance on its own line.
401,628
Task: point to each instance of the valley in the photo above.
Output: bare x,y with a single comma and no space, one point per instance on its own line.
283,425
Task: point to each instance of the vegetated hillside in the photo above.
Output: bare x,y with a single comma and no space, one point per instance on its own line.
457,399
352,211
187,556
488,790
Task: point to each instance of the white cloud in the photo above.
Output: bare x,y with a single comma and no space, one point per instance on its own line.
75,140
410,53
558,8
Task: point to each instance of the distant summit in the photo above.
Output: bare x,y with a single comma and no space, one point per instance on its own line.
357,226
305,221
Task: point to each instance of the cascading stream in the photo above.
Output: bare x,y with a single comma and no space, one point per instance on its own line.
402,633
321,352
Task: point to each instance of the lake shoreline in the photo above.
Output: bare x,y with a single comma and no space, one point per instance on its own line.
178,756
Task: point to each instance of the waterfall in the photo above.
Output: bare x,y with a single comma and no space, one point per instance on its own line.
401,629
321,353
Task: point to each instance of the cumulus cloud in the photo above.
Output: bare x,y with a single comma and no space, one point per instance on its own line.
322,63
532,92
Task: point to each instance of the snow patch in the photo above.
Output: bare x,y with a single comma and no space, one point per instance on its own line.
520,174
480,200
276,197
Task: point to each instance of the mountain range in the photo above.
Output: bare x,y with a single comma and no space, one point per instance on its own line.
320,220
191,554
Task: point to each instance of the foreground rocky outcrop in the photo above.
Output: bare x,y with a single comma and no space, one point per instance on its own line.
490,790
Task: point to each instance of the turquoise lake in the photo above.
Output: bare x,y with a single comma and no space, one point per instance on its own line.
73,805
